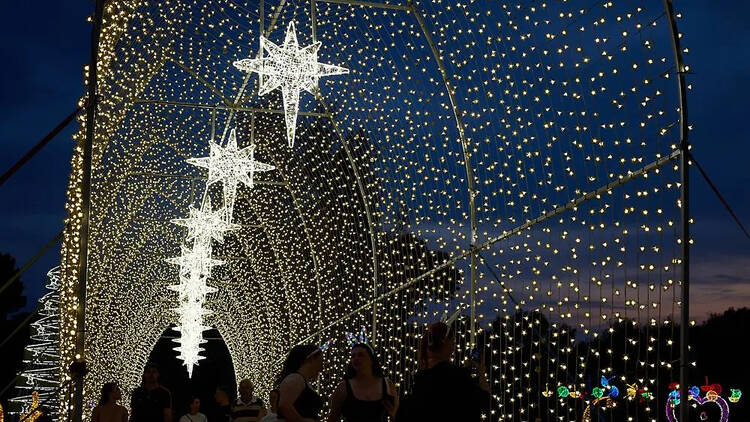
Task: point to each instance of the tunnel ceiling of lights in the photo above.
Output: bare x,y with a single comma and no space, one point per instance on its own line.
291,171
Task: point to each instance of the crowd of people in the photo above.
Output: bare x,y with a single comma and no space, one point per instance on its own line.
441,391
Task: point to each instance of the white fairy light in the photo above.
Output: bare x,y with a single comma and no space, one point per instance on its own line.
231,166
292,68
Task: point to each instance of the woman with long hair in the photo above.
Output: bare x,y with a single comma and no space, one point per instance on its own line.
365,394
108,409
298,401
443,391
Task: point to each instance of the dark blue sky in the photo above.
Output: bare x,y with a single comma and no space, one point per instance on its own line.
45,47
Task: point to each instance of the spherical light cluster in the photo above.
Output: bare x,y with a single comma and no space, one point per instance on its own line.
510,161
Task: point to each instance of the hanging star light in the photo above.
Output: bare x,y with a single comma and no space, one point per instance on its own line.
195,261
192,292
192,286
191,337
293,69
230,165
205,224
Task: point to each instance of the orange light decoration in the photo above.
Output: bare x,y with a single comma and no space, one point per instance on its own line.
34,412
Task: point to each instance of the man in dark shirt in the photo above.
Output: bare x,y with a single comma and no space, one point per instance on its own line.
151,402
223,412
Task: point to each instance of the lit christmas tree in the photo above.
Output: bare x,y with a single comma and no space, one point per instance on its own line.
42,357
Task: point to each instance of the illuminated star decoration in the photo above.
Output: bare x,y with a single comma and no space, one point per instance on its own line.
293,69
230,165
205,224
195,268
195,262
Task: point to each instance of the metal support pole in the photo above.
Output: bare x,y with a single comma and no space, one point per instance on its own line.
261,15
684,215
467,165
86,211
368,214
313,21
213,124
370,4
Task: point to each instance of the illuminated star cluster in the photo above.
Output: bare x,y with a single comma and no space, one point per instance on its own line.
230,166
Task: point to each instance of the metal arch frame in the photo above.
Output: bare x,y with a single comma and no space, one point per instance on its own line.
684,210
304,224
411,8
368,213
470,178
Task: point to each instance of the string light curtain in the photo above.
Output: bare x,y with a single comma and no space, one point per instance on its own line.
512,162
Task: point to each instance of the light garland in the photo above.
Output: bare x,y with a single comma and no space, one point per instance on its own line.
34,412
565,115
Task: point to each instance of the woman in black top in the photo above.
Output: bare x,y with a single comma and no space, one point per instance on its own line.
298,402
365,394
443,391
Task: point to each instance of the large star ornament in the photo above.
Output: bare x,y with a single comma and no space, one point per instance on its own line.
231,166
292,68
205,224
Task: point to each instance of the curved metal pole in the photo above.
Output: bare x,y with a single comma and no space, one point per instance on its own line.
368,213
83,243
360,186
596,194
467,165
684,213
304,227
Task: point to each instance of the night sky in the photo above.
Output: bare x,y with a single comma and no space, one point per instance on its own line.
46,46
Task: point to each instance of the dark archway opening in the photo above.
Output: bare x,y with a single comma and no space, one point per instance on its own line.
213,371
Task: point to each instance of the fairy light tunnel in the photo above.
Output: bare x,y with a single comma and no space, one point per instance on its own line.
515,163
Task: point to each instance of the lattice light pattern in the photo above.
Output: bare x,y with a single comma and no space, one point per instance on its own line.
541,133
